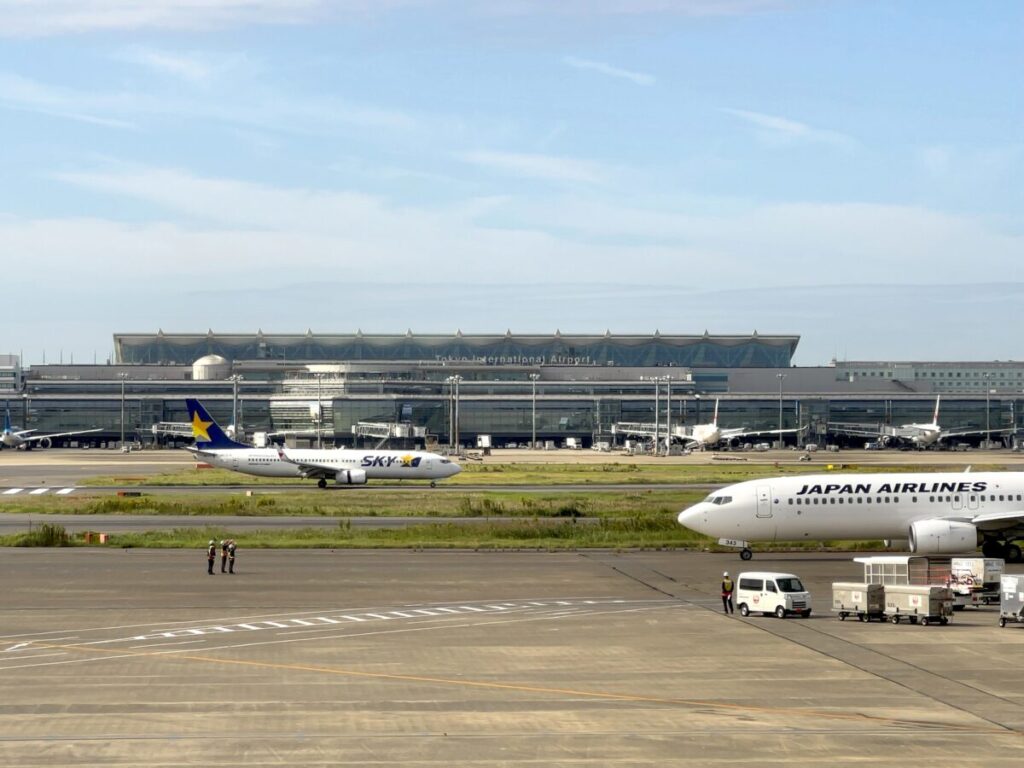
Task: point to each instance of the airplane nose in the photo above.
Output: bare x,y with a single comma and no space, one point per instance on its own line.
691,518
454,469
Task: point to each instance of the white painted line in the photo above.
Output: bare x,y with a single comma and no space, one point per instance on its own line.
12,491
403,615
471,608
275,624
222,629
249,626
38,491
496,607
64,491
562,602
303,622
325,620
195,631
16,647
375,615
354,618
424,612
447,610
539,605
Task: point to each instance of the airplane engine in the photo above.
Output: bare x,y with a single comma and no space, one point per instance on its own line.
942,537
44,443
350,477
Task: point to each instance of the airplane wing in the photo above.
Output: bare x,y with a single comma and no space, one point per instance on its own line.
28,438
947,433
732,434
1000,521
309,468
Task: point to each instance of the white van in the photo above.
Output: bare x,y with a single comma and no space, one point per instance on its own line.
779,593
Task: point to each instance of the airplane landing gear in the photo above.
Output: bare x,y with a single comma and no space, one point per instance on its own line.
1010,552
746,554
321,483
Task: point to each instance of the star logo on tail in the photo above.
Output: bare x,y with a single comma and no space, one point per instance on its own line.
199,428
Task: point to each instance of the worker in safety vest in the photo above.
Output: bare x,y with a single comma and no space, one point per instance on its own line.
727,589
211,555
223,555
231,555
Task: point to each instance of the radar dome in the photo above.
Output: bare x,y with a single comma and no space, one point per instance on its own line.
210,368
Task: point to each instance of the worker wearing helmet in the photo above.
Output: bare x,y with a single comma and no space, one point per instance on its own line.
727,589
211,555
223,555
231,555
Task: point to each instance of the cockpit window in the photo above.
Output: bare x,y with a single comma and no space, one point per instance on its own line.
790,585
446,461
721,500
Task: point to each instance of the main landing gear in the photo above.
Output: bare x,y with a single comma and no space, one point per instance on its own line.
321,483
1009,551
746,554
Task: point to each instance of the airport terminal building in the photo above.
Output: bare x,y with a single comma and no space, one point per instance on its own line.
424,388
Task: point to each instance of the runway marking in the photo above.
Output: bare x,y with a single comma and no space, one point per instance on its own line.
16,647
38,491
64,491
12,491
692,704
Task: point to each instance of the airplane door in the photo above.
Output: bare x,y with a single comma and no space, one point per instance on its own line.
972,501
764,501
234,462
958,502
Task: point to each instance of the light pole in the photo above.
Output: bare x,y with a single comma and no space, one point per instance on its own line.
988,423
668,416
533,409
319,412
122,376
457,380
657,412
782,377
234,379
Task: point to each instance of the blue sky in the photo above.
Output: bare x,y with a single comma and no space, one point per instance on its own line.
848,171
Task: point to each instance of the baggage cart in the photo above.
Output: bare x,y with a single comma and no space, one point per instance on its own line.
927,604
975,581
865,601
1011,599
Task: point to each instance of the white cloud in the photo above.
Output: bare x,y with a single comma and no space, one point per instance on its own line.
545,167
607,69
20,93
774,129
192,66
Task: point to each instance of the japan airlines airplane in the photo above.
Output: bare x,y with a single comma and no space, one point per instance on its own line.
937,512
343,466
710,435
23,438
920,436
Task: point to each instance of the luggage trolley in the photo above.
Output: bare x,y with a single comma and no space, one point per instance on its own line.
1011,599
865,601
926,604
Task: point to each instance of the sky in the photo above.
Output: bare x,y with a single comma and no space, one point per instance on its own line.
849,171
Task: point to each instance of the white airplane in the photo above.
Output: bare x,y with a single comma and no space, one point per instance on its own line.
710,435
343,466
23,438
936,512
921,436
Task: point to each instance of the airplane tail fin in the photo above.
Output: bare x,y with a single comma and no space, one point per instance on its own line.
7,416
206,430
935,416
715,419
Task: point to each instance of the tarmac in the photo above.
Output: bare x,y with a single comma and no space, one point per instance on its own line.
411,658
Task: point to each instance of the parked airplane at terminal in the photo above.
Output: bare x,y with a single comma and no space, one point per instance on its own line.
937,512
343,466
23,438
710,435
920,436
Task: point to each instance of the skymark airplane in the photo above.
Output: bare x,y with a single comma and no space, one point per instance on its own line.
921,436
343,466
23,438
937,512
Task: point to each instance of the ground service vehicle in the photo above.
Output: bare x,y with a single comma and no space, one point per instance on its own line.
766,592
1011,599
865,601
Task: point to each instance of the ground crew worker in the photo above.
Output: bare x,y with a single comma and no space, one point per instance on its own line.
223,555
231,556
727,588
211,555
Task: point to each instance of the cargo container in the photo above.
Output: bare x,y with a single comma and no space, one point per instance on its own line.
1011,599
927,605
865,601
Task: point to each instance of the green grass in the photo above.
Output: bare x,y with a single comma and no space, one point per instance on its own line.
497,475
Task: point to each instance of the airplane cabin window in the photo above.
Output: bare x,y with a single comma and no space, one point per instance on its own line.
914,499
